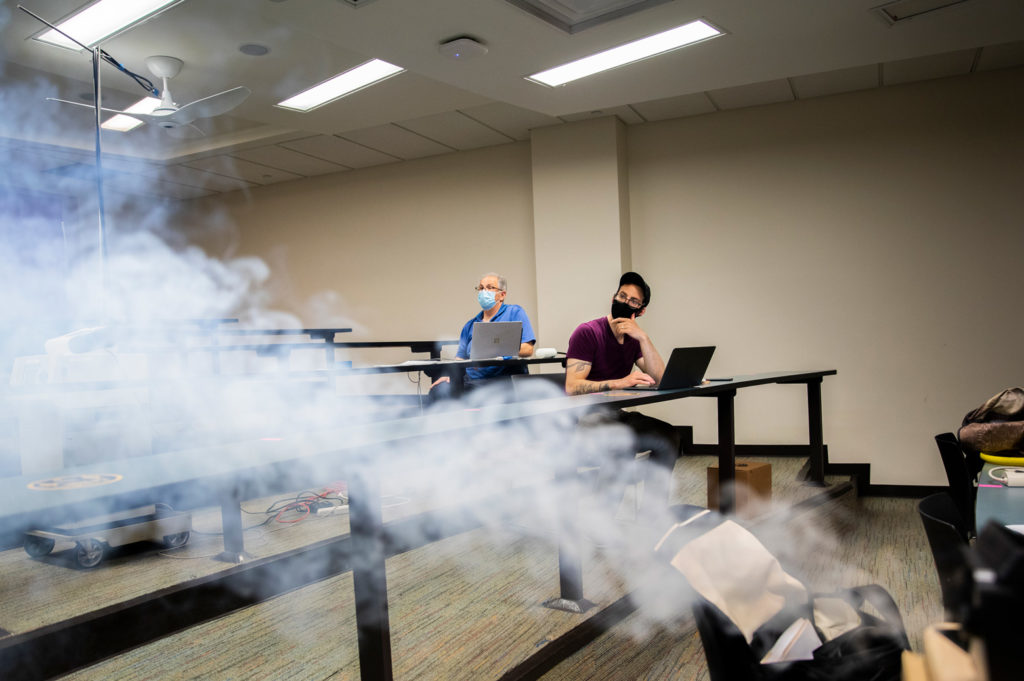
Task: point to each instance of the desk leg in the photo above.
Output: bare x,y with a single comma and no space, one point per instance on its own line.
727,452
570,562
816,471
231,524
369,575
458,379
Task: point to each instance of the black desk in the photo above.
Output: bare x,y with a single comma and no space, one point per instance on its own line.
455,369
570,566
320,339
224,470
325,340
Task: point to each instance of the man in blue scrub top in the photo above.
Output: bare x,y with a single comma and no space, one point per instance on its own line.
490,294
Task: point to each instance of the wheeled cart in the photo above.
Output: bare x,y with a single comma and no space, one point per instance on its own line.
165,525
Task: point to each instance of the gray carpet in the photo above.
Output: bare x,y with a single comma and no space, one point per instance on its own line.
468,607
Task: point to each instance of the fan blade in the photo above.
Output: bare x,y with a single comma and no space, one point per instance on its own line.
168,119
214,105
87,106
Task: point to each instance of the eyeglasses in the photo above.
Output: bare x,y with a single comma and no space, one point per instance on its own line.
488,287
632,302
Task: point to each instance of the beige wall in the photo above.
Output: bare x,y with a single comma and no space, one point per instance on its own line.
878,233
394,250
580,221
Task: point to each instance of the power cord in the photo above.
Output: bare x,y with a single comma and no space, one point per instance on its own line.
1011,476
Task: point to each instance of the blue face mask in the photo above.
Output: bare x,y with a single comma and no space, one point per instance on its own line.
486,299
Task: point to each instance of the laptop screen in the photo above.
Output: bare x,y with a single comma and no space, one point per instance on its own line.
496,339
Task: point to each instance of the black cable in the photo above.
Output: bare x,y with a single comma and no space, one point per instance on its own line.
146,83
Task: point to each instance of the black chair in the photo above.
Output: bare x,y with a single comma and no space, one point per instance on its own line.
728,655
873,652
533,386
962,475
948,538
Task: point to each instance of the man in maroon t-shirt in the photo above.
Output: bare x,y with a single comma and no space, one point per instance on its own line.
602,355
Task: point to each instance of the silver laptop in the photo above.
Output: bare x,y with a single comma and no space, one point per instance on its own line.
685,369
496,339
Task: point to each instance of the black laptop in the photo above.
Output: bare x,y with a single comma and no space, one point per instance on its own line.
685,369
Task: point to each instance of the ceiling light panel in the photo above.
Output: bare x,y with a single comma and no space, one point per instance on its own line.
123,123
644,48
101,20
343,84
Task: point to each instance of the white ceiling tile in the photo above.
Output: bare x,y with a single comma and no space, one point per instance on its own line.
340,151
625,113
925,68
146,178
276,156
675,107
39,160
239,168
193,177
510,120
455,130
755,94
309,41
398,142
834,82
180,191
1002,56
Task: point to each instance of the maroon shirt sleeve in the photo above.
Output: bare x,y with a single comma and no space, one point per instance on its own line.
582,344
609,360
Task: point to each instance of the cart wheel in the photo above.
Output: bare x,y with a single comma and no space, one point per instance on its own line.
173,541
37,546
89,553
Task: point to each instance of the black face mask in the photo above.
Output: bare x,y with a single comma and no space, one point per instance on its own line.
622,310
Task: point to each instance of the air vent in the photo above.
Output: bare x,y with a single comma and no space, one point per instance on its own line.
573,16
902,10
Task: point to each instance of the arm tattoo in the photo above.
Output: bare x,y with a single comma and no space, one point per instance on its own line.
584,387
587,387
577,365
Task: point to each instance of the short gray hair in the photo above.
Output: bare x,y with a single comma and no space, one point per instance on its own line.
502,284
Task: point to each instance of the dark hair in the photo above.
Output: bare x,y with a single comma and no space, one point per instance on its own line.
636,280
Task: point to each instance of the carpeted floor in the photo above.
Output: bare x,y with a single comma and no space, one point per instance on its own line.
469,606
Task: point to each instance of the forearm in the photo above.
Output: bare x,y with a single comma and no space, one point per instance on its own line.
585,387
526,350
576,382
653,364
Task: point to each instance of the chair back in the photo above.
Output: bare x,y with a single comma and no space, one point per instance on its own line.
973,457
947,538
728,655
961,480
537,386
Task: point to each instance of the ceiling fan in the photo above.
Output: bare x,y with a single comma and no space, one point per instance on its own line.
168,114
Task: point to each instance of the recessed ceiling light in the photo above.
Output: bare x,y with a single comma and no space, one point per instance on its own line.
122,123
340,85
101,20
254,49
659,43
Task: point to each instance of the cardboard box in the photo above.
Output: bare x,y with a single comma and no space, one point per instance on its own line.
753,482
